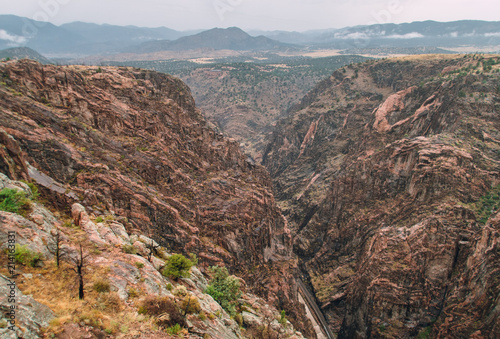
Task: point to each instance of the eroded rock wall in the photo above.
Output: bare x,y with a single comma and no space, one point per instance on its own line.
382,173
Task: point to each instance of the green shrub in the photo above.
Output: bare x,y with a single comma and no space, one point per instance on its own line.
174,330
99,219
193,258
225,289
14,201
34,190
101,286
129,249
178,266
170,287
283,319
25,256
139,264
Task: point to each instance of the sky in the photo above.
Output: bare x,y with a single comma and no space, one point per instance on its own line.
291,15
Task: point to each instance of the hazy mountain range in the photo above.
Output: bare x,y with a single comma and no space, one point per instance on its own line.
79,38
232,38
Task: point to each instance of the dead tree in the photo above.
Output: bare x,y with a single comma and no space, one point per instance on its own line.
152,248
54,247
79,263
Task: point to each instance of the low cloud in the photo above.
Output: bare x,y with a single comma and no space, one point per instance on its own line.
4,35
412,35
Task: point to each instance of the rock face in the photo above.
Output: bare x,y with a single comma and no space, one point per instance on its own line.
130,144
388,174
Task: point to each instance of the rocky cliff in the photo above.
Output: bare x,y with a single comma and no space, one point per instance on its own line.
130,145
121,282
388,173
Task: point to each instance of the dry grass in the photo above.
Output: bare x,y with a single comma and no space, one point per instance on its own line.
58,289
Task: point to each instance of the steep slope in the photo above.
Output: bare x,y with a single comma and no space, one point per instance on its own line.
132,144
121,285
388,175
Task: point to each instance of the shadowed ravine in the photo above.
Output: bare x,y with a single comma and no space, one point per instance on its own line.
322,329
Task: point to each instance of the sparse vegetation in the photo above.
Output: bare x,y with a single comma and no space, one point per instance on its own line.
180,290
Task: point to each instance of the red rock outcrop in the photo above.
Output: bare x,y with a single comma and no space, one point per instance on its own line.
394,204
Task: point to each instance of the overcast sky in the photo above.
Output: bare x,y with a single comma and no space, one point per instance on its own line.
290,15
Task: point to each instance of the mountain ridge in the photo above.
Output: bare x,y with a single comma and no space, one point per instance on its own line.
231,38
80,38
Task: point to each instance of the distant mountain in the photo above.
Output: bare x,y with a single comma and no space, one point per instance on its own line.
292,37
111,38
77,37
42,36
231,38
406,35
425,33
23,53
82,39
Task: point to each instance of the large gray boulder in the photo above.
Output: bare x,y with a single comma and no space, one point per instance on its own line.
30,316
